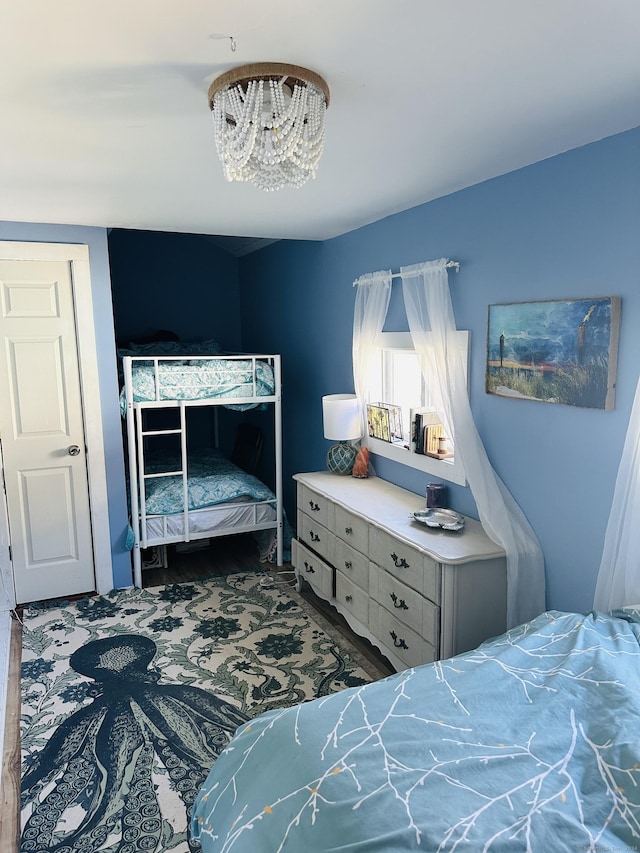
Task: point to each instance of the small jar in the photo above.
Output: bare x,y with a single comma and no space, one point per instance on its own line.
436,495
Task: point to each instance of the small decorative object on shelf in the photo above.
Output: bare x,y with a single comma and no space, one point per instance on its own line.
436,443
436,495
445,519
378,422
445,449
361,465
432,435
384,421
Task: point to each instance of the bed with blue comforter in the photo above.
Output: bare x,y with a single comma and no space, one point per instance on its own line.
529,743
169,379
212,480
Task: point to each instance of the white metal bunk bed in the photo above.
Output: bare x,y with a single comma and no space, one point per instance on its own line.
181,382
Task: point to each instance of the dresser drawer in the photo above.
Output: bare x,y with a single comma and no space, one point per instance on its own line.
406,563
352,529
313,534
316,506
405,604
401,560
405,644
351,563
314,570
352,598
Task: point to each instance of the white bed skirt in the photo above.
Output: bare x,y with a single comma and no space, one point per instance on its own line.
214,521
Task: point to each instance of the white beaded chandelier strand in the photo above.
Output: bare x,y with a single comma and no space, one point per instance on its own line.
268,131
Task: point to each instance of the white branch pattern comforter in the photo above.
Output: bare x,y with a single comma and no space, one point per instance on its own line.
529,743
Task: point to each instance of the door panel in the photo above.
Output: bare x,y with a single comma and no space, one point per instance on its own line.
47,500
40,420
37,387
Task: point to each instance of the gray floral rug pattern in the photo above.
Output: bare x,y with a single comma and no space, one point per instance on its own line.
127,700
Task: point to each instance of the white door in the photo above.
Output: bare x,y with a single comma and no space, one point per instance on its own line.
42,432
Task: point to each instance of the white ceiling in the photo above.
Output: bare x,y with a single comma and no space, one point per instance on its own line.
104,118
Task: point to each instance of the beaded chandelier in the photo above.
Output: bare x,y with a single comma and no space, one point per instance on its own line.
268,122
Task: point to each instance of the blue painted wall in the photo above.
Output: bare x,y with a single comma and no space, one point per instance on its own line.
181,282
188,285
96,240
565,227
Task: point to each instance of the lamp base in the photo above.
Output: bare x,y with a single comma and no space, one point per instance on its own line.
341,457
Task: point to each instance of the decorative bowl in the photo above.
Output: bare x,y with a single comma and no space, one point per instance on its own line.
446,519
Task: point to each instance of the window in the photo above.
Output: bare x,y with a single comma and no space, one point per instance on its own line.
397,379
402,384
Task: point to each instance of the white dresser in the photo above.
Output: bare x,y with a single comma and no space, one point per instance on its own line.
417,593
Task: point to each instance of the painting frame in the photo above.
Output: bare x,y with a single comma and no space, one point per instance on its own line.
555,350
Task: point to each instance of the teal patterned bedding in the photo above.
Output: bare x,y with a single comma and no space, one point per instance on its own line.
201,379
212,480
529,743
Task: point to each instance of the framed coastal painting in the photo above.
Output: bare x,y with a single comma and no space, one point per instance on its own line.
557,351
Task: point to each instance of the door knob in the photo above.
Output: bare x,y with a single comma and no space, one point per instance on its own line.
74,450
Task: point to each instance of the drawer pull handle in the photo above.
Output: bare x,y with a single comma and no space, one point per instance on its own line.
348,599
314,506
348,564
313,536
400,604
397,641
399,562
309,568
348,530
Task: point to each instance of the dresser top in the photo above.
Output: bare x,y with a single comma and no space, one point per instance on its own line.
388,507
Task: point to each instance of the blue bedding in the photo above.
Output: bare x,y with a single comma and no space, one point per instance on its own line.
212,480
201,379
529,743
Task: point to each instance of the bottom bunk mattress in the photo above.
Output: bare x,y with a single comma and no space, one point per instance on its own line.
528,743
221,498
217,521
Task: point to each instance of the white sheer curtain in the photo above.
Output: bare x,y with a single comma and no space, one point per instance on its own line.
431,322
618,582
373,292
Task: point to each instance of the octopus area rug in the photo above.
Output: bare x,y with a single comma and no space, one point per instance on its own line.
128,699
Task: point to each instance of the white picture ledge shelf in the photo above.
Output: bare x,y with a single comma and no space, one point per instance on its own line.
446,469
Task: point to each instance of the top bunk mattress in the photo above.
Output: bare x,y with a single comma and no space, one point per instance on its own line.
206,378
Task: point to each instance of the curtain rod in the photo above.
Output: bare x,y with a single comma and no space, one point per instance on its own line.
449,265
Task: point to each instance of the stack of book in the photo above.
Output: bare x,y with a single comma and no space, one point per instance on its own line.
427,432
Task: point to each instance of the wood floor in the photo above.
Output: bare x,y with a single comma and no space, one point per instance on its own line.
224,556
10,789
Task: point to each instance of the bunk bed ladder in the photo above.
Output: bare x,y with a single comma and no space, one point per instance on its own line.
133,472
185,472
138,487
277,374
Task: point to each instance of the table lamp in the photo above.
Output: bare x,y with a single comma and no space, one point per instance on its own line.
342,423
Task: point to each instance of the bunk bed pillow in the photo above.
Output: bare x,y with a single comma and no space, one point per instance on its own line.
212,480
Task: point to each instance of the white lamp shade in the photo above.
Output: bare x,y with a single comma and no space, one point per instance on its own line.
341,417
